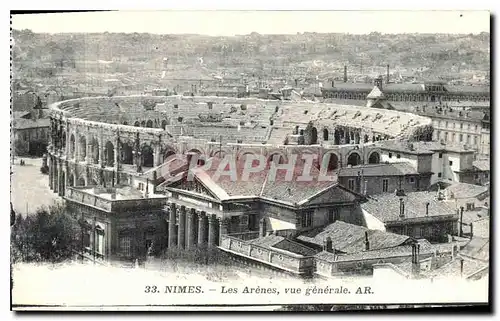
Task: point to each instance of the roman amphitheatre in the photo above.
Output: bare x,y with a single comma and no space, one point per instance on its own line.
108,140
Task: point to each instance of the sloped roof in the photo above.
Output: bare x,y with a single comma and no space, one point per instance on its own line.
391,169
454,268
22,123
483,164
386,207
350,238
376,93
464,190
282,243
478,248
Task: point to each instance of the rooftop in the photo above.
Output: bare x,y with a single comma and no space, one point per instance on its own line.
350,238
421,148
386,207
22,123
391,169
282,243
464,190
482,164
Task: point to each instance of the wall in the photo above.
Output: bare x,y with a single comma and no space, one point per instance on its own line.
407,158
374,184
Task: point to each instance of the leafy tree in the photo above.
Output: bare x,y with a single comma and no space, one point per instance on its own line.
49,235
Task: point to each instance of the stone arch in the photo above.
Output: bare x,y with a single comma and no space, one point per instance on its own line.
338,135
277,157
330,161
353,158
147,156
168,154
94,152
325,134
72,146
127,153
219,153
83,148
109,152
81,181
149,124
374,158
314,136
125,123
143,123
137,124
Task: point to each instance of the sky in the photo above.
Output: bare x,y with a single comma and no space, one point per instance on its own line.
228,23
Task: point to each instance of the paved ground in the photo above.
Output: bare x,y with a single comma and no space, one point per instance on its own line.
29,187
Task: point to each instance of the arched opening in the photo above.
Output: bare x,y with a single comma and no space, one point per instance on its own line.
64,141
149,124
163,124
147,156
83,148
71,180
354,159
95,151
168,155
325,134
127,154
81,182
63,183
125,123
433,98
143,123
301,132
366,138
276,158
72,144
337,137
219,154
331,161
374,158
314,136
137,124
296,130
200,160
109,151
357,138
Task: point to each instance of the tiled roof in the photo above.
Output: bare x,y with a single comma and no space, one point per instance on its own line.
280,189
454,268
475,215
282,243
386,207
481,228
478,248
468,89
483,164
464,190
350,238
398,251
391,169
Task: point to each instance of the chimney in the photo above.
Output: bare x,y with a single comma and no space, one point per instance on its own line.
415,259
461,221
387,80
333,83
401,208
345,73
471,231
461,267
427,208
262,227
367,242
328,245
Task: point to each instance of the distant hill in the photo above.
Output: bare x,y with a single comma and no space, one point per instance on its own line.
441,53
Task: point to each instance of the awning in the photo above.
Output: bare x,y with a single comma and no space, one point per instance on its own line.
279,225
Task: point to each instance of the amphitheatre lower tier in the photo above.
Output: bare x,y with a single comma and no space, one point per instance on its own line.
105,140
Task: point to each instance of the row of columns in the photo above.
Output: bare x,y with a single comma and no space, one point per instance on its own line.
189,228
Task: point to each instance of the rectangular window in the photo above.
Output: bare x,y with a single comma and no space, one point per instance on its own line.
385,185
439,175
461,126
412,179
445,137
308,219
461,137
468,139
125,243
351,184
440,155
470,206
451,163
99,239
398,156
453,137
390,155
475,140
86,239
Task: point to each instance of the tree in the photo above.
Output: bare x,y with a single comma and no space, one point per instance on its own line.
49,235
